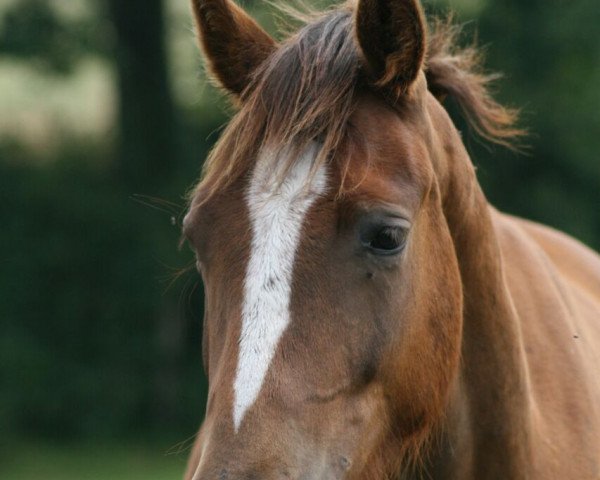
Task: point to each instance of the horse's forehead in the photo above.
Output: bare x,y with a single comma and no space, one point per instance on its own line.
380,123
387,164
277,202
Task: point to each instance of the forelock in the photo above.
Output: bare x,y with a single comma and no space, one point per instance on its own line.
304,92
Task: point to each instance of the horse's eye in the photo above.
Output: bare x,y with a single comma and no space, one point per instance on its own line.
386,240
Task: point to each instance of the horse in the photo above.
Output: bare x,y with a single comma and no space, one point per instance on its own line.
369,315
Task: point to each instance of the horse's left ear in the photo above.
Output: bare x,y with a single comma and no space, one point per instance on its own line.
391,35
234,44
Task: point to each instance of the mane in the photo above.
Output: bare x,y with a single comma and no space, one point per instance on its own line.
307,90
458,72
304,92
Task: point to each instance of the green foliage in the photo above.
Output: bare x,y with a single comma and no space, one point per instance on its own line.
84,288
32,30
92,461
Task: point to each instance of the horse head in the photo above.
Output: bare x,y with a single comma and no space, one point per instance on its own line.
334,302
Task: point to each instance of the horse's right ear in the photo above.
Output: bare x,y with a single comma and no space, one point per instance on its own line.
234,44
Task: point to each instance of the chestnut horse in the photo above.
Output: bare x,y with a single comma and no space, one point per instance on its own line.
368,314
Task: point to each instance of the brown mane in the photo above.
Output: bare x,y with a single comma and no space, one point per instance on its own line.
307,88
457,72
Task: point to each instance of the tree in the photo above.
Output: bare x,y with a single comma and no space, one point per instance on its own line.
147,138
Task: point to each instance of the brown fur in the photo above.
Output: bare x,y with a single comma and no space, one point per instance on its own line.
472,355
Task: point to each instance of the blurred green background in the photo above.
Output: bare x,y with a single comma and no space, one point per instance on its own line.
105,118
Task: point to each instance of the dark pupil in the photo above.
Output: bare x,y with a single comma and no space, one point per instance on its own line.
387,239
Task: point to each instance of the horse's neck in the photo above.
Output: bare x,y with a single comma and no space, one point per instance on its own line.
490,411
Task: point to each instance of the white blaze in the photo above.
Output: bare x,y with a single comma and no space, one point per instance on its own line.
277,211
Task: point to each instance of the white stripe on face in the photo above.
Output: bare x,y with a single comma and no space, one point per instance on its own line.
277,213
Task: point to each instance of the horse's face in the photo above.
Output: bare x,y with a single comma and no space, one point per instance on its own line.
333,299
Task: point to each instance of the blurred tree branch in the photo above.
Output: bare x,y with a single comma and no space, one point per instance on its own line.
32,30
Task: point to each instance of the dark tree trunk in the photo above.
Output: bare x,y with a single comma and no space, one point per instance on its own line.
146,111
